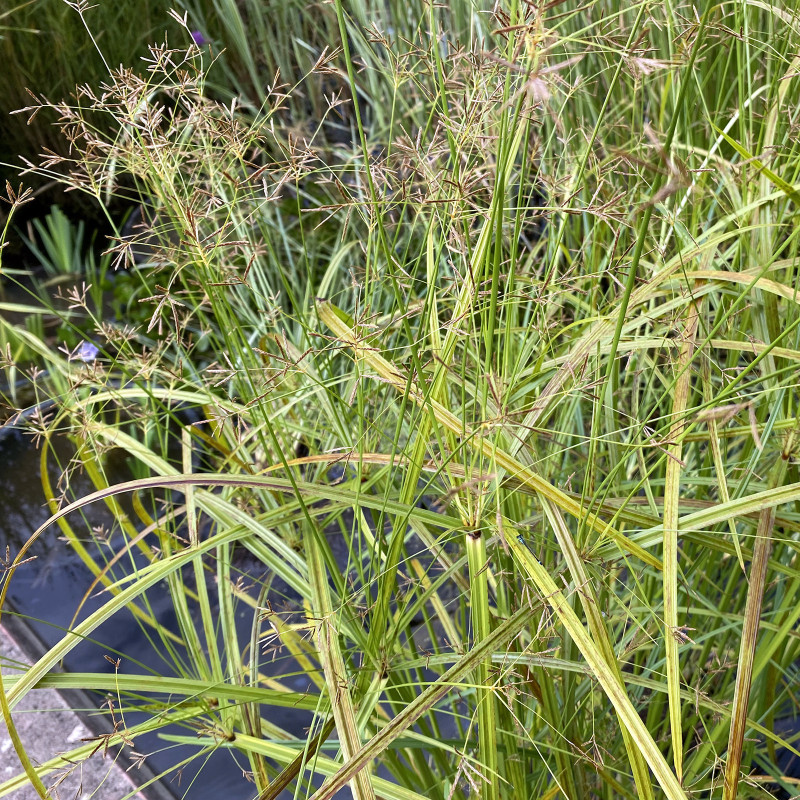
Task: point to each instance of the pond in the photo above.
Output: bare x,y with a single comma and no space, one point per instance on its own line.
45,593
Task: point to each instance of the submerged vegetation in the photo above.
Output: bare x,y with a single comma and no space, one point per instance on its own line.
493,372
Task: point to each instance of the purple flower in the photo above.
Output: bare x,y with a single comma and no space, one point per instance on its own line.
198,38
87,352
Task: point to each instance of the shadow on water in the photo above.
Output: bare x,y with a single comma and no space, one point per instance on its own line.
46,592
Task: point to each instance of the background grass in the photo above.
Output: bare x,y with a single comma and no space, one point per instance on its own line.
498,368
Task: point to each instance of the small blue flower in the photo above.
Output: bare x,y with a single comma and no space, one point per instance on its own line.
87,352
198,38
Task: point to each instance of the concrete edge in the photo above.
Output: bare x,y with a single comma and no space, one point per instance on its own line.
78,701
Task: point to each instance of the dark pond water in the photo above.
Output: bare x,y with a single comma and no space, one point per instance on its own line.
47,591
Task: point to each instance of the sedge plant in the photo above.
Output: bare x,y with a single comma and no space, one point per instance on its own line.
501,394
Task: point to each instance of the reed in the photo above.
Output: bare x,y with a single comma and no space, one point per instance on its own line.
501,390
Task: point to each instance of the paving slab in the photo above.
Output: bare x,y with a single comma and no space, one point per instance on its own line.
47,727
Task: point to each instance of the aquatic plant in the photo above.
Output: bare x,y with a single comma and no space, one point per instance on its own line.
500,396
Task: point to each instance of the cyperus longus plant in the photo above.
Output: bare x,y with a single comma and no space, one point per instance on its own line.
498,392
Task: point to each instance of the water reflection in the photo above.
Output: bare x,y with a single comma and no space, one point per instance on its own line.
48,590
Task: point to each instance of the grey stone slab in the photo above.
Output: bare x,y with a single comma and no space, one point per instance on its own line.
47,728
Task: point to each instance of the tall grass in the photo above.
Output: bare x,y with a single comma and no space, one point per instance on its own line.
525,351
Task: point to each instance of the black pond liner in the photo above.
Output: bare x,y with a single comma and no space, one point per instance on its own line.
786,762
43,596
